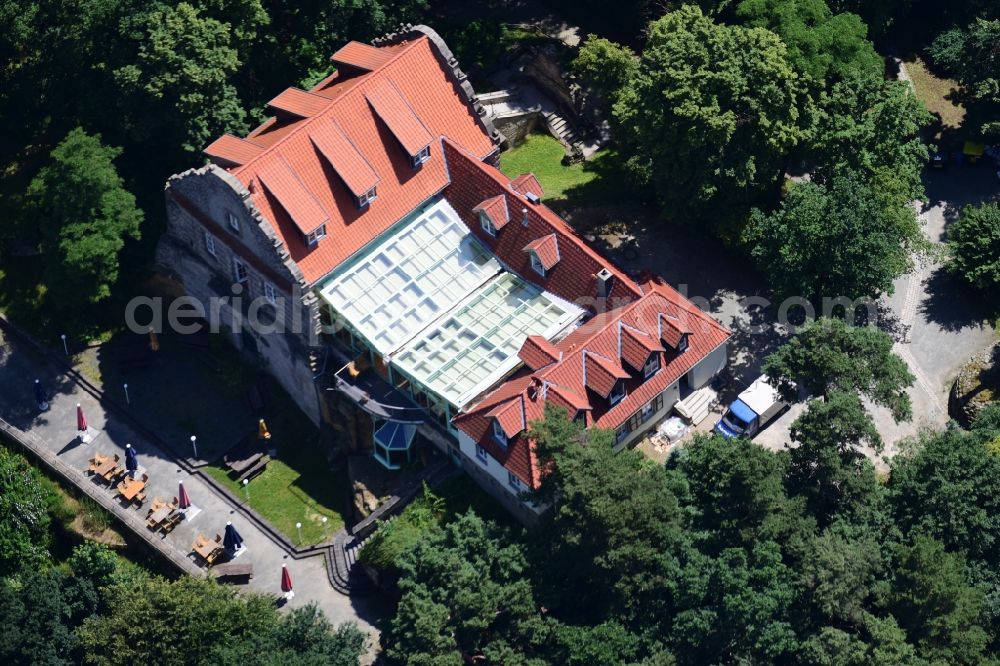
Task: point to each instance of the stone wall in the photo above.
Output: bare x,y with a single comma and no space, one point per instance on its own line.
199,250
517,126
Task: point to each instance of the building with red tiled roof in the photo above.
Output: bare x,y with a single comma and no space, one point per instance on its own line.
365,227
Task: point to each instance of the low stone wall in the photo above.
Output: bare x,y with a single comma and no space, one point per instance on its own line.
517,126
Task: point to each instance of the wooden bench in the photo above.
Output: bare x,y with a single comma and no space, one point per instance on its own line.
244,455
257,468
234,570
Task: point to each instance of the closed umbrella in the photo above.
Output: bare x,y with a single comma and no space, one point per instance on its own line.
154,343
131,462
232,539
40,397
81,424
183,501
262,432
286,582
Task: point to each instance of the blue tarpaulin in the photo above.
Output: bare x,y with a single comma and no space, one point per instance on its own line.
742,411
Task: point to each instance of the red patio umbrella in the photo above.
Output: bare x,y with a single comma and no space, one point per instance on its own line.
286,579
81,420
183,501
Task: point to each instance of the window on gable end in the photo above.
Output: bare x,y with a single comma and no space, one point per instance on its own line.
498,434
652,365
536,264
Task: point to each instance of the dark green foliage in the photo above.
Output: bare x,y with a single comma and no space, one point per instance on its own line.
821,44
710,115
843,238
829,354
397,537
933,601
24,518
974,242
86,214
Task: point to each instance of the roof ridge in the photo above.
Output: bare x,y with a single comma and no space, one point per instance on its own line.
322,114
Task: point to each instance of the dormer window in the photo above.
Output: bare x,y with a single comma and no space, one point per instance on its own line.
367,198
487,225
315,235
617,392
420,157
682,344
536,264
498,434
652,365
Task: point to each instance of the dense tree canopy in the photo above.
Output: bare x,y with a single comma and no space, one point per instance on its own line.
829,354
24,528
711,114
972,55
834,239
821,44
974,242
88,215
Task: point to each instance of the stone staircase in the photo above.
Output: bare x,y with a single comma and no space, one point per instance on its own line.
695,407
561,128
346,574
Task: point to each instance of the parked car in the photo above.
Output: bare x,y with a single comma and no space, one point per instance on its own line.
752,410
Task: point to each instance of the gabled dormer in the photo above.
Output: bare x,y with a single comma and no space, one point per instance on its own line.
357,174
507,420
640,350
297,201
602,374
543,253
493,214
673,332
397,114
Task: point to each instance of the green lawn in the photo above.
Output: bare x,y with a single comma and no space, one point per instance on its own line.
296,487
933,92
590,182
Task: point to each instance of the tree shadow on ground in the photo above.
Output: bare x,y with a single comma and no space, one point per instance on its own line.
953,304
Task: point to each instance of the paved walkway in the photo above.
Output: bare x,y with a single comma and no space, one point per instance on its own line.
56,429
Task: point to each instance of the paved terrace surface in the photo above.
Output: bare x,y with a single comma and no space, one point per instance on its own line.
55,432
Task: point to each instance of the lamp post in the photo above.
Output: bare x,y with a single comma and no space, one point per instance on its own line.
246,488
325,519
298,526
127,400
65,348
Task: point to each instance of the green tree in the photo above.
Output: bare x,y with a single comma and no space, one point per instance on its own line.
87,215
606,66
821,44
189,615
710,115
40,610
827,466
615,540
948,486
24,527
829,354
974,243
835,239
871,126
934,602
177,89
465,598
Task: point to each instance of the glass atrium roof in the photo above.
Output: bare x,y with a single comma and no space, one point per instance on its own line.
474,346
413,277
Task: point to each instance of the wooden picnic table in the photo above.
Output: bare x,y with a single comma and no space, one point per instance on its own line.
106,469
207,549
129,488
158,516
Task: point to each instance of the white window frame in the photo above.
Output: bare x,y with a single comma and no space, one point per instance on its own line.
536,263
514,482
270,293
646,412
651,366
682,344
239,268
368,197
422,156
315,235
234,222
614,398
210,245
482,455
498,434
487,224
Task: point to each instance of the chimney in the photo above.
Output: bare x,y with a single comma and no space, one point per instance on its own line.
524,216
605,281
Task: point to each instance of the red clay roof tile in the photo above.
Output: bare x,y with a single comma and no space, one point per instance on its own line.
546,249
495,209
537,352
294,197
296,102
398,115
525,183
510,416
344,157
233,151
360,56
